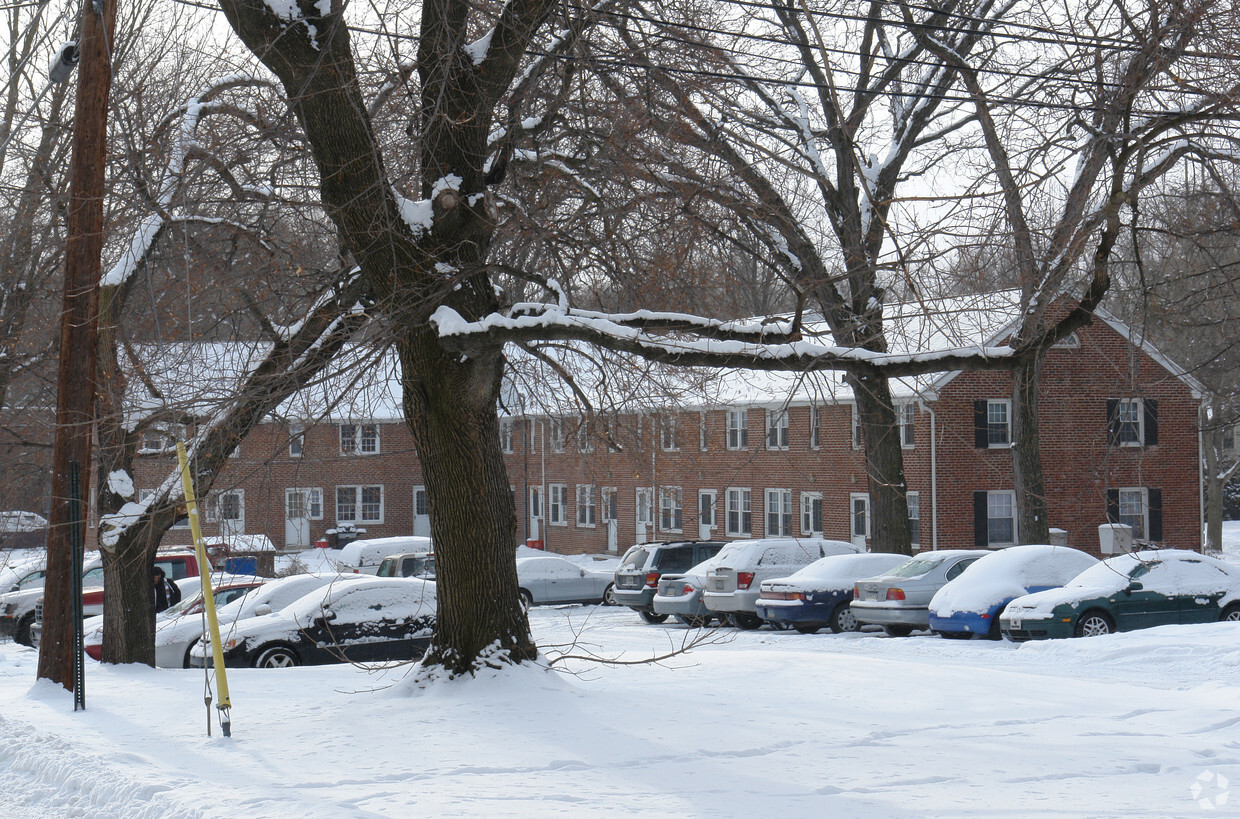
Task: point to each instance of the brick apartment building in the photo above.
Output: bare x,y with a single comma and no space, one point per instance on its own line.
767,455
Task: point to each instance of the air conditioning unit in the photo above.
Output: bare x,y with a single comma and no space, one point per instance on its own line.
1115,538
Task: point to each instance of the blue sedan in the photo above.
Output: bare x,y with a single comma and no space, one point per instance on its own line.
971,603
821,593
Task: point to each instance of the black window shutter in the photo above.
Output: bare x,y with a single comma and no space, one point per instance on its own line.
981,521
1112,422
1151,421
1112,506
981,431
1155,510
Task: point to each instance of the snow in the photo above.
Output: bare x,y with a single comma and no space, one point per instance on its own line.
1135,724
1009,573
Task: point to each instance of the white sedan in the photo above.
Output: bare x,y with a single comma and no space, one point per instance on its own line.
552,579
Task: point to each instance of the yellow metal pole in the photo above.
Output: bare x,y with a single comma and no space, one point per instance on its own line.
208,599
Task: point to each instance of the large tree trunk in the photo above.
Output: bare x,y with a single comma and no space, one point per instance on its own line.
1032,525
884,464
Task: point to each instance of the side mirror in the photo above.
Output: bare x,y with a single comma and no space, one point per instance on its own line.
262,610
1134,586
329,615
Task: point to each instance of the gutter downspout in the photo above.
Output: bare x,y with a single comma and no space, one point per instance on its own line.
1201,481
934,477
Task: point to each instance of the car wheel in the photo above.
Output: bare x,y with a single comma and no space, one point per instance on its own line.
527,599
186,663
692,622
609,595
746,621
652,618
843,619
277,657
994,633
954,635
1231,614
1094,624
22,633
898,631
806,628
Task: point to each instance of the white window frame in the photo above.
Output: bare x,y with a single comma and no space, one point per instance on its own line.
359,438
160,438
808,499
608,494
1123,408
557,504
856,427
778,513
555,434
1125,498
853,531
713,522
314,500
906,415
214,500
587,511
668,429
1004,499
671,509
738,516
506,435
359,503
913,499
536,507
585,441
993,404
777,429
296,440
738,429
815,427
702,431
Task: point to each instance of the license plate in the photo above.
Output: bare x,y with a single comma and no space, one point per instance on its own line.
1014,623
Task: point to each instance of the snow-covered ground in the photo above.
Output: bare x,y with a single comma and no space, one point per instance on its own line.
1140,724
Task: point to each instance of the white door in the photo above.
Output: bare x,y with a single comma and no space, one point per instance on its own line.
296,518
707,500
644,516
536,513
860,518
421,513
232,512
610,508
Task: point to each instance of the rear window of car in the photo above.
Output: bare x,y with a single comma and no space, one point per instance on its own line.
676,559
634,559
916,568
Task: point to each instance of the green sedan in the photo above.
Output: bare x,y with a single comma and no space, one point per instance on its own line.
1128,592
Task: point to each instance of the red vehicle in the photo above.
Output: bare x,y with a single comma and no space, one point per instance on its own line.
176,565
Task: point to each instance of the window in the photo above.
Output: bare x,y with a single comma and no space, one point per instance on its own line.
777,429
639,432
671,510
738,429
739,512
225,506
667,433
557,504
707,500
994,518
778,513
609,504
856,428
905,414
505,434
811,513
536,503
1132,422
1229,438
359,504
304,503
992,425
859,514
815,428
359,439
702,431
556,434
914,517
296,440
158,438
585,438
1138,507
585,505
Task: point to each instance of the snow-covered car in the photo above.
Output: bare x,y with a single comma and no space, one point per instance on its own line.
1128,592
553,579
365,556
971,604
899,600
408,564
22,530
366,619
17,608
732,585
637,576
18,569
820,594
680,595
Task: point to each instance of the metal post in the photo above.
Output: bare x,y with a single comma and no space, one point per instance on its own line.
76,547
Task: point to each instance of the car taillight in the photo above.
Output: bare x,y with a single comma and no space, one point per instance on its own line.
688,589
744,579
856,593
652,579
895,594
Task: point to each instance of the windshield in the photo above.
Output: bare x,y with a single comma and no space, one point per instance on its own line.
184,605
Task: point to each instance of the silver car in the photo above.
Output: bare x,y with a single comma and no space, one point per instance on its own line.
899,600
680,595
556,580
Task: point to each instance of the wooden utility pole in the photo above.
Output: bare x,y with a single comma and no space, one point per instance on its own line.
75,396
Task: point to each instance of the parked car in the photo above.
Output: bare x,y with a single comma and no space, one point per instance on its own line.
680,595
408,564
177,565
16,567
1128,592
971,604
637,576
189,586
17,608
373,619
899,600
819,595
732,585
553,579
365,556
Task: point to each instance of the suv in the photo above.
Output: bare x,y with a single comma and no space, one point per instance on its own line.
364,556
733,584
409,564
637,577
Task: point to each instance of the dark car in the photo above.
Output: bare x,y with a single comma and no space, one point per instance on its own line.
819,595
367,619
1127,592
637,577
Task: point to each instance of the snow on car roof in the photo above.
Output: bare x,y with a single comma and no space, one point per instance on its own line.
1009,573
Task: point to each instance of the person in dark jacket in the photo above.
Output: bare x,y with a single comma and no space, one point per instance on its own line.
166,592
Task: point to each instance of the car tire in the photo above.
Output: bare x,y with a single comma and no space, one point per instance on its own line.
277,657
609,595
185,663
995,633
698,621
954,635
22,633
843,619
898,631
652,618
527,600
806,628
1094,623
746,621
1230,614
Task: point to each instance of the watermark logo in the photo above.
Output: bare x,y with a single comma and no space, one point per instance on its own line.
1211,790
